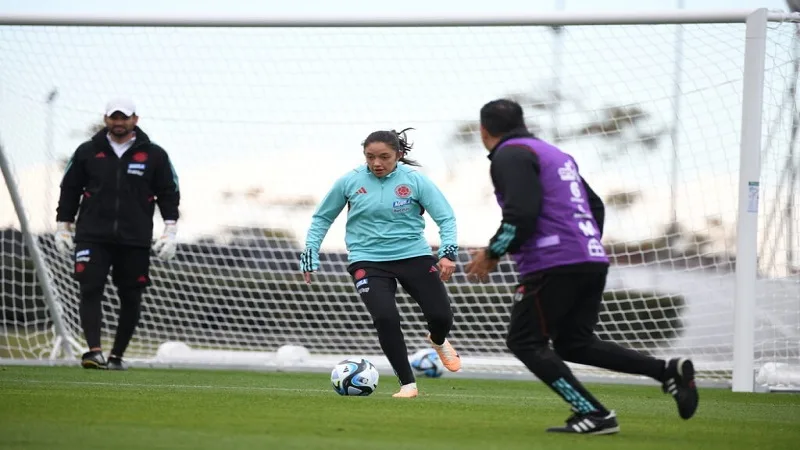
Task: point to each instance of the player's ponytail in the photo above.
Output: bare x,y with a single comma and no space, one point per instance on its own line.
404,146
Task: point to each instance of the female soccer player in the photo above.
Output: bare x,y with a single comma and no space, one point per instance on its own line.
385,244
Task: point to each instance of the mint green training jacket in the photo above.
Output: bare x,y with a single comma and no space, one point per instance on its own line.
384,217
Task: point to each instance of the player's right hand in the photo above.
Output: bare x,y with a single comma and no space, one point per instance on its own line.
64,238
309,262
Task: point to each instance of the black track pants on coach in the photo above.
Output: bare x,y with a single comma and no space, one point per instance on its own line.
129,267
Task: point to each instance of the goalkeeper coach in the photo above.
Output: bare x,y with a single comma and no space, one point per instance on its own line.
552,225
113,182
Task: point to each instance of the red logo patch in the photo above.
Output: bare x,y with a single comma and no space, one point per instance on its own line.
100,155
360,273
142,279
519,293
433,269
140,157
80,267
402,191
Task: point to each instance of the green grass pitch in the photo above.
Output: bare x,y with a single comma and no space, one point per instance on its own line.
69,408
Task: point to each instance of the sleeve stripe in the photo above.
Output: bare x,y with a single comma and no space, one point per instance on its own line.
174,177
309,260
500,245
67,167
304,261
448,251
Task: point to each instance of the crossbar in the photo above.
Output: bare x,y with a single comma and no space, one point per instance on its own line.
449,19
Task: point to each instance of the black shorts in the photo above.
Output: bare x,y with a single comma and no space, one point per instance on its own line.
557,306
411,272
129,266
419,277
376,284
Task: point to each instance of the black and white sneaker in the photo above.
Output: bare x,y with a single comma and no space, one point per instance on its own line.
592,423
93,360
116,363
680,384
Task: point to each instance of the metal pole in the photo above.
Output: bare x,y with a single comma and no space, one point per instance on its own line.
36,256
558,50
788,103
789,212
450,19
676,103
49,145
747,216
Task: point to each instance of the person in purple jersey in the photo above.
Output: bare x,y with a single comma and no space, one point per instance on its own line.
552,227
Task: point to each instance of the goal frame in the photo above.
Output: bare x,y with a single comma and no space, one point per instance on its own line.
756,25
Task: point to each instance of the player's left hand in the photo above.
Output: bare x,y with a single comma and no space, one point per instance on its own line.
479,267
166,246
446,268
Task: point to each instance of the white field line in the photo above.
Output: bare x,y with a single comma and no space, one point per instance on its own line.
251,388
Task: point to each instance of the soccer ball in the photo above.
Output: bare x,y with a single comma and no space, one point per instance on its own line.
355,377
427,361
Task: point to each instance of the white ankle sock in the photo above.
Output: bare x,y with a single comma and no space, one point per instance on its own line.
409,386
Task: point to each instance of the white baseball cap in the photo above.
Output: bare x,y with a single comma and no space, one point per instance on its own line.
123,105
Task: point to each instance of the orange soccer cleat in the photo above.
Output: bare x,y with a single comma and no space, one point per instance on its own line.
407,391
448,355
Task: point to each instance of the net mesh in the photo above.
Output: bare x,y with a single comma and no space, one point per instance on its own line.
260,122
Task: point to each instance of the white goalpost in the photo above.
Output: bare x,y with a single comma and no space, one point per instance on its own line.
261,114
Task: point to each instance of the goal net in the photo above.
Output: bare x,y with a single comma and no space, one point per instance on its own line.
260,121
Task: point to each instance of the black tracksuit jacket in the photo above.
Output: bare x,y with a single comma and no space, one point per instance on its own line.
114,197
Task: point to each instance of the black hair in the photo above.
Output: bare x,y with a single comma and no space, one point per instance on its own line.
397,140
501,116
